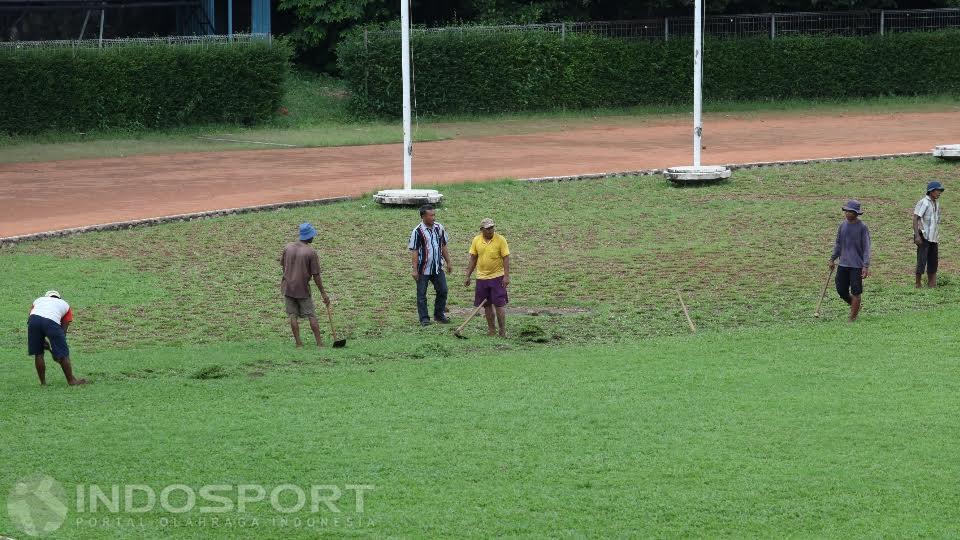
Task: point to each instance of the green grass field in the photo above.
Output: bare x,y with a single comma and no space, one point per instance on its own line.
601,416
317,116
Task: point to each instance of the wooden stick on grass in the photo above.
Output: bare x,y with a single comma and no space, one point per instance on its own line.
693,328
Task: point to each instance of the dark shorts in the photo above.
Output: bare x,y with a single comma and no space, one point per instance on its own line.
41,329
492,290
928,257
300,307
849,282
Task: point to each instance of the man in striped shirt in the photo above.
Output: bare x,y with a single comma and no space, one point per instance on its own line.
428,248
926,233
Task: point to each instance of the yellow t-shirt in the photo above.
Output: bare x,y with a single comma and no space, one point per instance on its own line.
489,255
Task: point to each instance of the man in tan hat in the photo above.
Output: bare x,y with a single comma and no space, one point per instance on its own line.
490,256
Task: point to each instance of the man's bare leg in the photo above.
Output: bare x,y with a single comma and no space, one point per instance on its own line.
502,320
68,372
919,281
315,327
295,328
41,369
854,307
932,280
488,313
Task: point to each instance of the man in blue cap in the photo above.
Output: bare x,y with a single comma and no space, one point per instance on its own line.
852,247
300,263
926,233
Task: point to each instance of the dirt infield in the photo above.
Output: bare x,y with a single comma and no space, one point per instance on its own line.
39,197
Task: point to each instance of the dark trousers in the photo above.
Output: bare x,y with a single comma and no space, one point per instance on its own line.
439,281
849,282
928,257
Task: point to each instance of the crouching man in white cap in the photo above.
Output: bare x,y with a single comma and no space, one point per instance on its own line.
49,318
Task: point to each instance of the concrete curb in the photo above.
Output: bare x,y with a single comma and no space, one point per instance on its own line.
122,225
731,166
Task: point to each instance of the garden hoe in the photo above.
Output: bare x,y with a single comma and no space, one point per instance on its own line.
475,311
337,343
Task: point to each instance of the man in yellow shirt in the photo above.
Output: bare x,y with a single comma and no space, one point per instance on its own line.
490,255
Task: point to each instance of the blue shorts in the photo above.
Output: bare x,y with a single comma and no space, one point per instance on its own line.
40,329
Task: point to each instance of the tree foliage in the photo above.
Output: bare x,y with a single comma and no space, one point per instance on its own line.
320,23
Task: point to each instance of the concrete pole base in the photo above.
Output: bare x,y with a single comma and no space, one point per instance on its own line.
696,175
408,197
947,151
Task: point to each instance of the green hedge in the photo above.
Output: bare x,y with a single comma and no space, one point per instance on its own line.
134,87
491,73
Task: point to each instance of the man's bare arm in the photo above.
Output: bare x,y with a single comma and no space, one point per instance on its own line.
323,292
470,266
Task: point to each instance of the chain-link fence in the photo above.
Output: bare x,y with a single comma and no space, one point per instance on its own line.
212,40
847,23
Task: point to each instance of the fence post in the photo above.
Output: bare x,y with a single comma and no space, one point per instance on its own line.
563,31
882,21
103,13
666,28
773,26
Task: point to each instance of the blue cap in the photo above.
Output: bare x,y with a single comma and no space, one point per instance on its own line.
934,185
307,231
853,206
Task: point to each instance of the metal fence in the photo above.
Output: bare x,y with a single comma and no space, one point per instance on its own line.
124,42
847,23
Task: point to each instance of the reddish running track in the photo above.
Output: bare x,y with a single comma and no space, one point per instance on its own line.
37,197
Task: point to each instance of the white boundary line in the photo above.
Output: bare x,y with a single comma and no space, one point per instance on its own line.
121,225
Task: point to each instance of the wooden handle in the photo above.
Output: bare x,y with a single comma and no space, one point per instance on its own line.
823,293
330,318
686,313
475,311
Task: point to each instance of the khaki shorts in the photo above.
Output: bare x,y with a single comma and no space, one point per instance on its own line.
300,307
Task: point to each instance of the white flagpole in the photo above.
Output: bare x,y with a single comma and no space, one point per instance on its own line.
697,81
697,173
405,58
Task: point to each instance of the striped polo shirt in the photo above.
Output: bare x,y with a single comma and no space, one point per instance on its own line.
427,242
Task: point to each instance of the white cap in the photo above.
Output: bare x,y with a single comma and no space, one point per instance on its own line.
52,294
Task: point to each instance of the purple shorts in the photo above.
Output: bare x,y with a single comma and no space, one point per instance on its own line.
492,290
